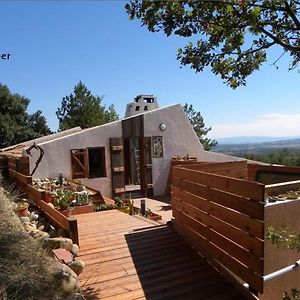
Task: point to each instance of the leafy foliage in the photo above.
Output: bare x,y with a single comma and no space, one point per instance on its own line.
233,35
198,124
281,157
295,295
83,109
16,125
284,238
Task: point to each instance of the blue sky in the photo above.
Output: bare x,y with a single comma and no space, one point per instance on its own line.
54,44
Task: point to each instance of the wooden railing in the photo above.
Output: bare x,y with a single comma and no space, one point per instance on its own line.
235,169
269,174
69,225
223,218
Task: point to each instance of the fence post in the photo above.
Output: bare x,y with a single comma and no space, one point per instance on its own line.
73,230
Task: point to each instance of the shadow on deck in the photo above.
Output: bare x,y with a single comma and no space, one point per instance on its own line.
169,269
126,261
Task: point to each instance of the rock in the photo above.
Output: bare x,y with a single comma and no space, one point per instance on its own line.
77,296
29,227
66,279
55,243
24,220
77,266
50,204
41,227
40,235
75,249
33,216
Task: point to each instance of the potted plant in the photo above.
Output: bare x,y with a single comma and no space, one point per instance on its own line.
121,205
62,200
22,208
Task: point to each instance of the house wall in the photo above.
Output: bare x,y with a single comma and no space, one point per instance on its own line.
281,215
57,157
178,139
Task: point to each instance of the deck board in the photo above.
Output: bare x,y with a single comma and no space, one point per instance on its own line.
129,258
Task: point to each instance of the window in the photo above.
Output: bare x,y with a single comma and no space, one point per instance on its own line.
157,146
97,166
146,108
137,108
88,163
149,100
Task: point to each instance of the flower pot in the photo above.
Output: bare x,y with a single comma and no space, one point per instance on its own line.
65,212
48,198
22,212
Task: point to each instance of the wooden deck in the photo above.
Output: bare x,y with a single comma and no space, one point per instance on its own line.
129,258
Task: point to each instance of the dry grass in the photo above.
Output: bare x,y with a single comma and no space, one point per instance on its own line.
25,268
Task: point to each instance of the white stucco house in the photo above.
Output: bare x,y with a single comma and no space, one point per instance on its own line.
132,154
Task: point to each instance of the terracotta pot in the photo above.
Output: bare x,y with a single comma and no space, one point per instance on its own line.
22,212
66,212
48,198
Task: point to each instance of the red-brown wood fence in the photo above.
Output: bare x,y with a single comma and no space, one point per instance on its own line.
69,225
223,218
269,174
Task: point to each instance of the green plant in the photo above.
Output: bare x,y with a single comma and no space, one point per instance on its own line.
284,238
119,202
81,197
295,295
63,199
102,207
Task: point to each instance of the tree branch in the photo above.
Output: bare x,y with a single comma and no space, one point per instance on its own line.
279,41
291,14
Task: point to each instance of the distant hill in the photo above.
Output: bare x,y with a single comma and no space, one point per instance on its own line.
240,149
252,139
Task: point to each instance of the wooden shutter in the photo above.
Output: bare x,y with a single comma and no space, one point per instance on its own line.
147,186
79,160
117,167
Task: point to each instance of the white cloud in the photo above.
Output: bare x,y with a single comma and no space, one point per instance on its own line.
273,124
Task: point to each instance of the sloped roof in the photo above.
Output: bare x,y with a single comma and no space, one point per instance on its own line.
16,150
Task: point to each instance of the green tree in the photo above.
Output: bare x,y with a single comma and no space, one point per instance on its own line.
233,36
16,125
198,124
83,109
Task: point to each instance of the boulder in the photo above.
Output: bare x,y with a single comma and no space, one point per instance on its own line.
66,279
40,235
33,216
77,296
77,266
29,227
59,242
24,220
75,249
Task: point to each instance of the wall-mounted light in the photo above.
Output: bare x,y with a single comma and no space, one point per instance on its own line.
162,126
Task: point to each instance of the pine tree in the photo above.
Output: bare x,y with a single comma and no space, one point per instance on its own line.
83,109
199,126
16,125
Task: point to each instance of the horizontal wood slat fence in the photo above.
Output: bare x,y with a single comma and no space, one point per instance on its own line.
270,174
54,216
222,217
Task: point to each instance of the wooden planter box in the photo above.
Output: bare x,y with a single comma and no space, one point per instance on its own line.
154,217
82,209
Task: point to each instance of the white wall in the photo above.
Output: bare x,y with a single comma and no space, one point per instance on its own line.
57,157
178,139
